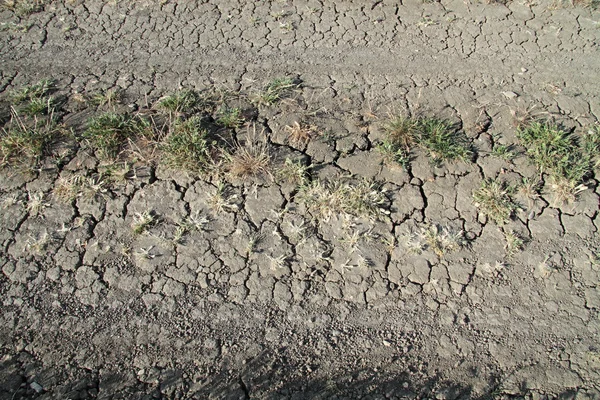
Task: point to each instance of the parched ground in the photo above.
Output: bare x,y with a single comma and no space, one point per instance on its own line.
268,298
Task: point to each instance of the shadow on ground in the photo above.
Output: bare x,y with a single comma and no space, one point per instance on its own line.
261,378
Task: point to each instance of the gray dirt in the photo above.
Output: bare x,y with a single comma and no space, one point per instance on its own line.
265,301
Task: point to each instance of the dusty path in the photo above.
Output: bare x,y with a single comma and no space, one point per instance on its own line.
347,311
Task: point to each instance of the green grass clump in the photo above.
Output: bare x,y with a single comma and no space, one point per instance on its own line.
20,143
108,132
494,199
400,136
230,117
442,141
566,160
108,98
504,151
186,147
438,138
554,151
35,91
182,102
34,100
39,106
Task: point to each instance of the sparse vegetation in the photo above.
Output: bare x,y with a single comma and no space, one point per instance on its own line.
34,99
545,268
39,243
591,146
530,188
186,146
300,135
68,189
301,230
107,133
514,242
495,199
504,151
442,141
438,138
142,221
332,199
250,158
23,7
36,203
561,156
39,106
279,262
593,4
402,132
565,190
253,242
294,172
229,117
22,142
195,222
274,91
182,102
109,98
439,239
222,200
35,91
117,173
522,117
144,253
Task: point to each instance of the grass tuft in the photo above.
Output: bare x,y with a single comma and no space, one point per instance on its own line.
504,151
230,117
514,242
108,132
21,143
39,106
275,91
442,141
439,239
294,172
35,91
494,199
182,102
438,138
109,98
560,155
250,158
222,200
402,132
327,200
300,135
186,146
68,189
142,221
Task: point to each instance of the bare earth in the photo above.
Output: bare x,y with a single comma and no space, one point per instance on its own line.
342,309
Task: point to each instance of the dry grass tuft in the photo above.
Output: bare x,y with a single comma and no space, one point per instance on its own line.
300,135
249,158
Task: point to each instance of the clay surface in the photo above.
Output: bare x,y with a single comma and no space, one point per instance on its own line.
270,300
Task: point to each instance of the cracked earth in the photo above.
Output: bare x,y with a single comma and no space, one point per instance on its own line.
270,298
